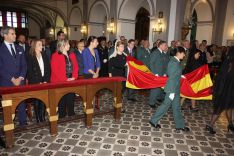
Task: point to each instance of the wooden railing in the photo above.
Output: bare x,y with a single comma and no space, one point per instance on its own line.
51,93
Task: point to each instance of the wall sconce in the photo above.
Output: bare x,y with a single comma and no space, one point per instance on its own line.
51,31
84,29
111,26
158,28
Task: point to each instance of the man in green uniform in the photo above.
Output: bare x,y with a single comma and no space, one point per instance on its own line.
172,89
143,53
158,65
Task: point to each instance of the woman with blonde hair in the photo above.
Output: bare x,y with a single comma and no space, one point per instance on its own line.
64,67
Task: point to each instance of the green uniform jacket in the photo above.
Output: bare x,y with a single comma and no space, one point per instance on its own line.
158,62
143,55
174,71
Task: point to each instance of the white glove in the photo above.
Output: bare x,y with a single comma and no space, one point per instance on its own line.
156,74
164,75
105,60
172,96
182,76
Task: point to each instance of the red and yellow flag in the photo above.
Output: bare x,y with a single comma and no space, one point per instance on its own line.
197,84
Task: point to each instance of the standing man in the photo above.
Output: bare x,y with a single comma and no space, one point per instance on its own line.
21,40
131,51
78,51
186,45
103,56
143,53
53,44
45,48
158,65
13,66
172,89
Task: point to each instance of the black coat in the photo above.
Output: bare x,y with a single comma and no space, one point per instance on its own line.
34,75
103,54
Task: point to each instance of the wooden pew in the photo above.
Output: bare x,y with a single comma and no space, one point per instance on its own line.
51,93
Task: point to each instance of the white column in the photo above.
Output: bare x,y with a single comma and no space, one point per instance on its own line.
172,21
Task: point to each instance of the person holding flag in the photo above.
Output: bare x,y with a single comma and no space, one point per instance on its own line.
158,65
172,89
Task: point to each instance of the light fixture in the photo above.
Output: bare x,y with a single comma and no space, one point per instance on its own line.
83,29
158,27
51,31
111,26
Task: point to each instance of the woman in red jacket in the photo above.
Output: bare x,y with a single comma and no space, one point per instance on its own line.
64,67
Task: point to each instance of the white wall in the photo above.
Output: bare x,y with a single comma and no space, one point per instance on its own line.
34,28
126,28
204,32
204,25
229,23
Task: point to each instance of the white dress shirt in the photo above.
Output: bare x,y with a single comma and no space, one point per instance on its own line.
41,65
9,47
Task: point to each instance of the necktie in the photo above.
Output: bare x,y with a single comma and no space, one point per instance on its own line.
130,52
13,51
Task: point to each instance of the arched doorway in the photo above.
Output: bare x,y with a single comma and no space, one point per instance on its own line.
142,24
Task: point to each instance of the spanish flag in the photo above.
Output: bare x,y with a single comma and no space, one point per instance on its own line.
196,85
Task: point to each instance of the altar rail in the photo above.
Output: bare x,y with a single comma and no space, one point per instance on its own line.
51,93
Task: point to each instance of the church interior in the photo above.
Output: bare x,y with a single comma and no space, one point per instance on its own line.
99,126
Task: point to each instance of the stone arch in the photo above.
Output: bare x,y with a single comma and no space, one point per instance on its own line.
95,5
98,16
132,9
75,11
209,8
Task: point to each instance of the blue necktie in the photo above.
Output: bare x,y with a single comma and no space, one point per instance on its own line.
13,51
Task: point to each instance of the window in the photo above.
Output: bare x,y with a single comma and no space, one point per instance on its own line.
1,24
13,19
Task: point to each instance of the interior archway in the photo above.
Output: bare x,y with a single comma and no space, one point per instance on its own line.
98,16
142,24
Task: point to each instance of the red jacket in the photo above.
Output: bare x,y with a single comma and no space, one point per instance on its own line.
58,67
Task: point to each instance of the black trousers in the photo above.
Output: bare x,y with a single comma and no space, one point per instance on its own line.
66,105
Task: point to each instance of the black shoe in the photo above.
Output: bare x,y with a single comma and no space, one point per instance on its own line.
185,129
210,129
230,127
155,125
132,99
123,111
194,109
152,106
2,143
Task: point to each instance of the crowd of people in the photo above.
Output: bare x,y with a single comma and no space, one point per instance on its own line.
38,61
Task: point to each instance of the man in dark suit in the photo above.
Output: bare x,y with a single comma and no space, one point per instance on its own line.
143,53
53,44
130,50
172,89
21,40
158,65
13,66
45,48
78,51
103,56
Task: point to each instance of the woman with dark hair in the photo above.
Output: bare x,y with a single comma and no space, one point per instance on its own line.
64,67
192,64
91,59
38,72
223,93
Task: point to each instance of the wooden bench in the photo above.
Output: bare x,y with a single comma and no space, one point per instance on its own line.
51,93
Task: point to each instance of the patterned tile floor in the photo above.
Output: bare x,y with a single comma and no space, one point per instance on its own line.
131,136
